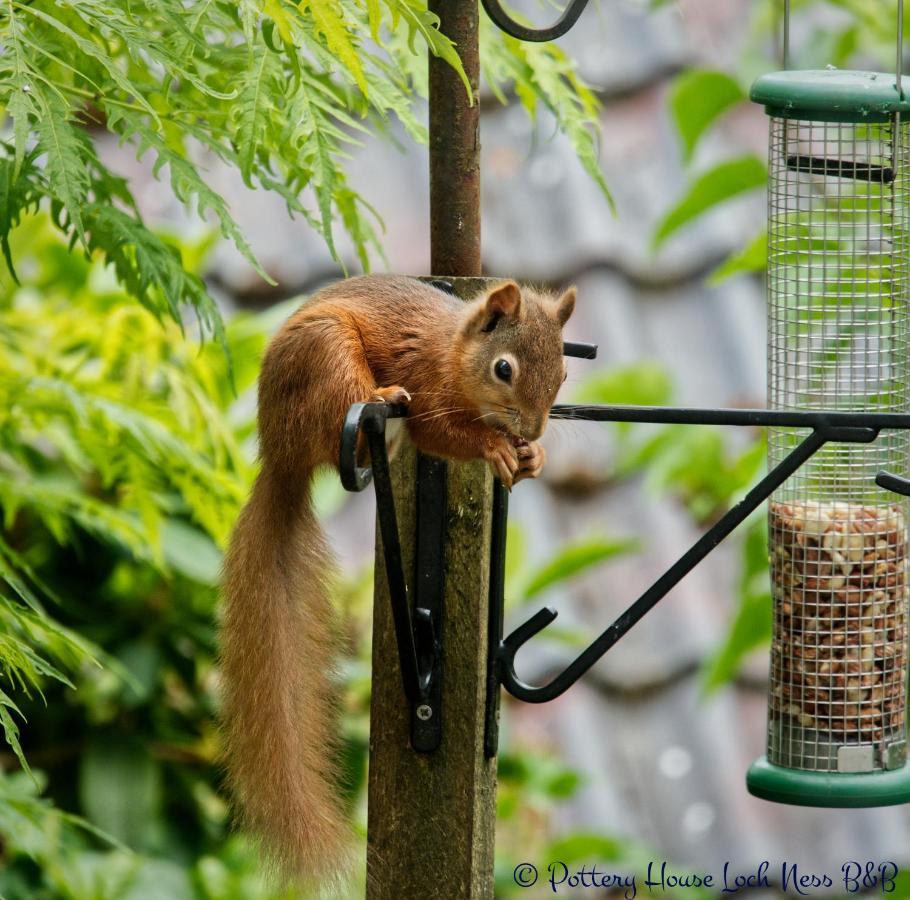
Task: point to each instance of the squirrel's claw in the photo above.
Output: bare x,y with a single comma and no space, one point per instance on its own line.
531,459
502,458
394,395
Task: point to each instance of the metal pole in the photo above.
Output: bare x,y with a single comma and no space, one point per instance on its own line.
900,48
455,147
432,815
786,47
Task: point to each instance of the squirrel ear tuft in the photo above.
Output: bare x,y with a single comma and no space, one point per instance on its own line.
504,300
565,305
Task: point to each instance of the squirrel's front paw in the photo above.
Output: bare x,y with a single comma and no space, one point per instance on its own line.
395,395
502,458
531,459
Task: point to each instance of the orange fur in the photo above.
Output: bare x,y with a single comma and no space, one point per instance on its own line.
369,337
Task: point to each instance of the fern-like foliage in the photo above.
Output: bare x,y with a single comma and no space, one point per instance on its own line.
111,417
544,76
278,89
111,429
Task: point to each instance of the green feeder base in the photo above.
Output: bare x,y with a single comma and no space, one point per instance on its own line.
799,787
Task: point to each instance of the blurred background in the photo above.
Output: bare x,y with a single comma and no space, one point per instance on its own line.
127,446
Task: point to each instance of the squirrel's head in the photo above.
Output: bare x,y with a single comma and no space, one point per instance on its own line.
510,344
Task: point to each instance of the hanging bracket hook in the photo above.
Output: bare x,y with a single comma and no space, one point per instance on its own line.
506,23
418,630
824,427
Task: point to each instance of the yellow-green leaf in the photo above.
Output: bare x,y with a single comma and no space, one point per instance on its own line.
719,184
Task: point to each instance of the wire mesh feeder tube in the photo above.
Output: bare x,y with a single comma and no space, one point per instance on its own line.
838,329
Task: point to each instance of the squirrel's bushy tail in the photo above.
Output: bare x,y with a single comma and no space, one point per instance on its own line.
277,664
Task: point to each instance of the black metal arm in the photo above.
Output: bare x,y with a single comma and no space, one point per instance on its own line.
417,632
825,427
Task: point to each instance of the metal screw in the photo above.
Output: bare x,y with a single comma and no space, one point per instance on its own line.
424,712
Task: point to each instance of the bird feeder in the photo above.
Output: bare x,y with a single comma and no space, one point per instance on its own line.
838,331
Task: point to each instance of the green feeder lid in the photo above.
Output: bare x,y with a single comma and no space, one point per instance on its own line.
828,789
830,95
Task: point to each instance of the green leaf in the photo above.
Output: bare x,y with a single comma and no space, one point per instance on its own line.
121,790
150,268
752,624
721,183
96,53
280,16
751,628
191,552
640,384
253,110
545,74
18,89
583,846
11,729
574,558
332,25
141,661
422,21
697,99
187,184
65,150
21,191
752,258
155,879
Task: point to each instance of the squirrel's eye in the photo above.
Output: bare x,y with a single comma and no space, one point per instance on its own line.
503,370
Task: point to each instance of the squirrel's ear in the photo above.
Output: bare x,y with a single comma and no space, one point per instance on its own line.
504,301
565,305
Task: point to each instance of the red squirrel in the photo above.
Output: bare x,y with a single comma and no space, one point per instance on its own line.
479,379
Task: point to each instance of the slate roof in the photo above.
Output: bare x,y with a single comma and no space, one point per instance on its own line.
661,763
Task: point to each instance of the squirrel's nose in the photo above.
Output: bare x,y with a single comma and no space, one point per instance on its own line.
532,429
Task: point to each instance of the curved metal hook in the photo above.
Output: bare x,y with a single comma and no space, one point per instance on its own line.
370,418
894,483
506,23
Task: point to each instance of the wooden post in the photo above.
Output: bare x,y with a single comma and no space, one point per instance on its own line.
432,816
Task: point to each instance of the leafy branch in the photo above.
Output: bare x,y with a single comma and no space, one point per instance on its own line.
280,91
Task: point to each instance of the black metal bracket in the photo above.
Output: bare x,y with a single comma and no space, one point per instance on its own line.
824,427
418,633
518,30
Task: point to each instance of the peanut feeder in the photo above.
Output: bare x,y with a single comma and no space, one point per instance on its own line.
838,331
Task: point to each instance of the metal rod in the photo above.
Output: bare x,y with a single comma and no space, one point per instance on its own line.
429,594
786,48
659,589
361,417
826,427
900,48
391,549
496,614
663,415
579,350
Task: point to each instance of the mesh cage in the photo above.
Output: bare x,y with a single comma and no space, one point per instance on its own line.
838,327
